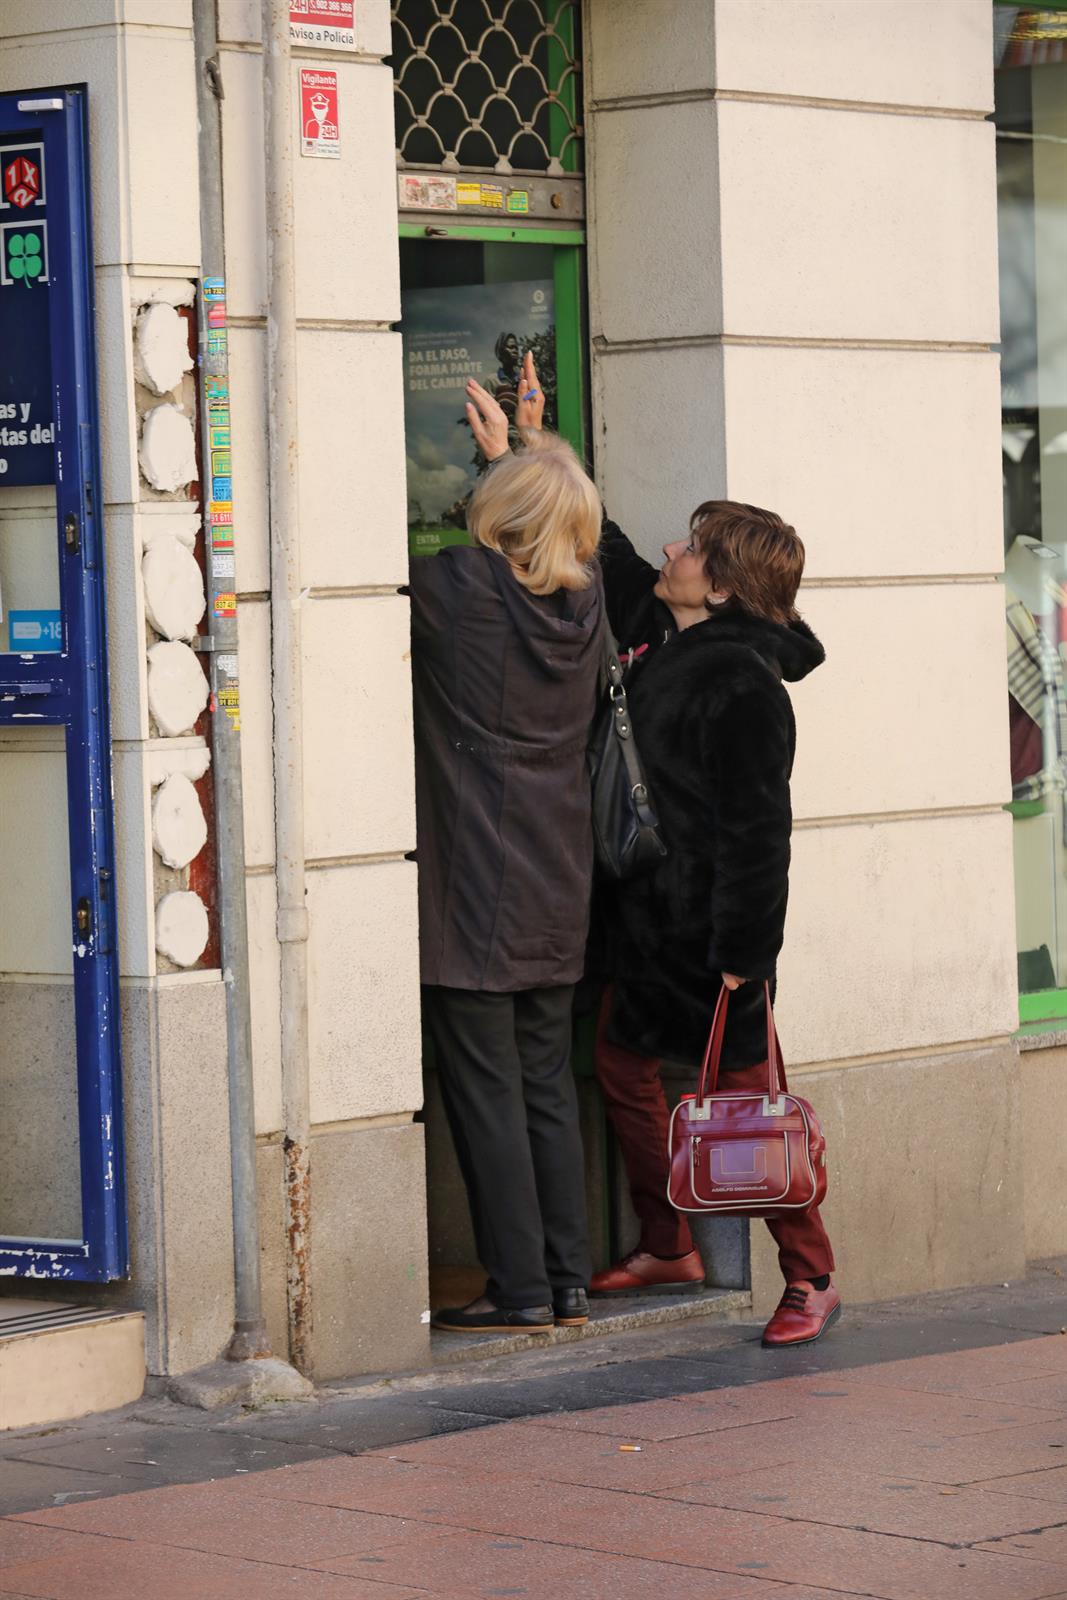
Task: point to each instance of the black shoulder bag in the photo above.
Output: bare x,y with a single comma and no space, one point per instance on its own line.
626,831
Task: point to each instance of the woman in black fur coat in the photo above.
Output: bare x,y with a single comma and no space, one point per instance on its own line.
711,638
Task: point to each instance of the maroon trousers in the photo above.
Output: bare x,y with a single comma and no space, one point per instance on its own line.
637,1107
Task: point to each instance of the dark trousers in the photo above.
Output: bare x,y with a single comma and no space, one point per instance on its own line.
637,1107
512,1106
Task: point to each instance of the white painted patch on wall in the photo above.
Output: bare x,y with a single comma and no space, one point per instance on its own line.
168,448
179,827
177,688
174,598
164,520
162,291
160,349
193,763
181,927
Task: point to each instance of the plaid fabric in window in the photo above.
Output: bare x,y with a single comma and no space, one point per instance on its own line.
1035,671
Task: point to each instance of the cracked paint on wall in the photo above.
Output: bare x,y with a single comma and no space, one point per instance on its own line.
168,448
174,595
177,688
179,827
182,927
160,349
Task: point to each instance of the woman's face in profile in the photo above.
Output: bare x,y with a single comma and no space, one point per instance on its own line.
682,580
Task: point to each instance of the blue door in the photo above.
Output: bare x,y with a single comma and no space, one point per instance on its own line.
62,1203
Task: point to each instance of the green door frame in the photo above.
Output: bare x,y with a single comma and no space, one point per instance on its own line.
568,243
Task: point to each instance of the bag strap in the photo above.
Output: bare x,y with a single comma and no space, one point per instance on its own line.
775,1065
709,1069
609,658
615,681
713,1050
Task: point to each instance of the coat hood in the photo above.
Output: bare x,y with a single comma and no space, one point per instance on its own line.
557,631
791,649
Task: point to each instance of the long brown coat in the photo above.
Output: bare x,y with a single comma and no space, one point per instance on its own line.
505,685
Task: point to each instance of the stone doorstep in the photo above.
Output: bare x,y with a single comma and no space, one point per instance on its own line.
606,1317
449,1351
61,1361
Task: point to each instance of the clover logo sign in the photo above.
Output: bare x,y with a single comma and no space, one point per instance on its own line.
24,257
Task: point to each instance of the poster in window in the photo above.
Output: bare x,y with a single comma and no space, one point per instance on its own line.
451,335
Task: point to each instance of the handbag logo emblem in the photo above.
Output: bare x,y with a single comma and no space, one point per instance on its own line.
748,1166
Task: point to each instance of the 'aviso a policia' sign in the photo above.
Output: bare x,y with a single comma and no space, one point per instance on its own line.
27,431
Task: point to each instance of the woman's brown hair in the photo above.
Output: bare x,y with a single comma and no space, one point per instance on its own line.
750,554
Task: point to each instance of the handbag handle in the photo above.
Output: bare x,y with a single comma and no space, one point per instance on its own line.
615,681
713,1053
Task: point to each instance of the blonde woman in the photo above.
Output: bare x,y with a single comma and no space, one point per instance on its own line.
506,640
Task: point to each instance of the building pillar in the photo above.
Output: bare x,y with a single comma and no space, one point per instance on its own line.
369,1295
794,303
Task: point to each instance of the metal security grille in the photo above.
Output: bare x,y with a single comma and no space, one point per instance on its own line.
490,85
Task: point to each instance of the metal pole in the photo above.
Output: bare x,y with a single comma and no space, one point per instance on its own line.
249,1329
286,663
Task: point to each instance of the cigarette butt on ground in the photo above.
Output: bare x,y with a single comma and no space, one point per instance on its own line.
633,1448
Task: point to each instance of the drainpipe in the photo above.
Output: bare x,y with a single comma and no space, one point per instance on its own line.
249,1330
286,665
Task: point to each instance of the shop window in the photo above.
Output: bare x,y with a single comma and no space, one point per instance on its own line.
1031,123
490,85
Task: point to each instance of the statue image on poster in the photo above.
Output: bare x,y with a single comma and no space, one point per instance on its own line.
451,335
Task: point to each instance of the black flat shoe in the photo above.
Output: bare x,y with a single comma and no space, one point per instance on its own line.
481,1316
571,1307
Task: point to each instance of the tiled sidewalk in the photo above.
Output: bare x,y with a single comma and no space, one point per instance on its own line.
938,1478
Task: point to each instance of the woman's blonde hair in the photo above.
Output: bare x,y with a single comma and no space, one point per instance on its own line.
540,509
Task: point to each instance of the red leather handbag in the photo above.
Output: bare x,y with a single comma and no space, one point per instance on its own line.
745,1153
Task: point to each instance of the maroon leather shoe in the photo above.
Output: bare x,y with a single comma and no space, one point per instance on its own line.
642,1273
804,1313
